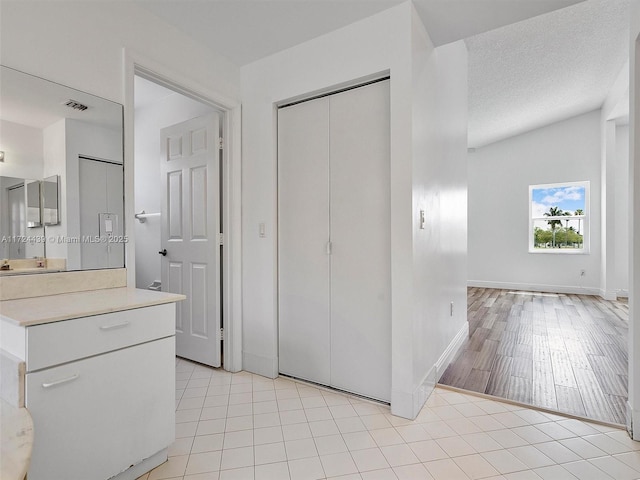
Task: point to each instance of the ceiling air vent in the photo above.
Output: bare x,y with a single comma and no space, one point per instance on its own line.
75,105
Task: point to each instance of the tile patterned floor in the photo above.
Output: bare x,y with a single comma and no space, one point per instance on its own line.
246,427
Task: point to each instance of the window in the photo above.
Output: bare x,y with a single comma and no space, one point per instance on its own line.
559,218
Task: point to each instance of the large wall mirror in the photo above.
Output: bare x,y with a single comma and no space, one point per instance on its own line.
61,177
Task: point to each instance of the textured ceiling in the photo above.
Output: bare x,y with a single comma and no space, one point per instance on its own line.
545,69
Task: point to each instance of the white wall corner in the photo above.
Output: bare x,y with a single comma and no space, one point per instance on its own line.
633,417
608,294
449,354
409,405
260,365
402,404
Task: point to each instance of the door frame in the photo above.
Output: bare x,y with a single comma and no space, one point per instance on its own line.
231,260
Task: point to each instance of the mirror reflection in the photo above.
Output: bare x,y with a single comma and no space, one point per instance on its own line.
61,177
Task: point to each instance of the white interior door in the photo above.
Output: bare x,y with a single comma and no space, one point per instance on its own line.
303,233
190,234
361,237
17,220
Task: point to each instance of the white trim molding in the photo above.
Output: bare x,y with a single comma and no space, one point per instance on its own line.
137,64
534,287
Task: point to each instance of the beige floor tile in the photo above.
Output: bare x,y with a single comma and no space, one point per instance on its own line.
455,446
384,474
273,471
531,456
475,466
330,444
237,458
428,451
306,469
203,462
503,461
297,449
207,443
246,473
445,469
338,464
369,459
359,440
558,452
241,438
267,435
412,472
398,455
269,453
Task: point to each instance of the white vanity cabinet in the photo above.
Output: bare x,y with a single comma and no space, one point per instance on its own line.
100,390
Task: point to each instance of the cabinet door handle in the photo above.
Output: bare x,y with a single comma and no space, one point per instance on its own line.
113,327
59,382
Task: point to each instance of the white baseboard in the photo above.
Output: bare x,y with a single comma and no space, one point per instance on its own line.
608,294
447,356
265,366
408,405
533,287
632,416
622,293
146,465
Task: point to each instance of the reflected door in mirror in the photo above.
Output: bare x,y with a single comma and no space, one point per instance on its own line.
101,212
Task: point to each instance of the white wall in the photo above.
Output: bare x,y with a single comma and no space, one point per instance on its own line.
440,189
373,46
55,163
621,199
633,408
83,44
23,151
499,177
149,119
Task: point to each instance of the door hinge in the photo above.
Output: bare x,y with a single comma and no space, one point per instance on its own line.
220,143
221,239
221,334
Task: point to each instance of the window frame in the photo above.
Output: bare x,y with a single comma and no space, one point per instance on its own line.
585,219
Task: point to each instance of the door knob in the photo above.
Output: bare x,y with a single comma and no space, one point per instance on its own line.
163,252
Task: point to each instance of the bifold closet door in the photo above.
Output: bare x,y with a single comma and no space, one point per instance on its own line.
303,233
360,207
334,241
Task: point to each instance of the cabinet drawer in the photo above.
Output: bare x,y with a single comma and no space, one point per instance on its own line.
60,342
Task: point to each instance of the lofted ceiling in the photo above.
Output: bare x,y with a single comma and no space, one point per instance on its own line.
545,69
531,62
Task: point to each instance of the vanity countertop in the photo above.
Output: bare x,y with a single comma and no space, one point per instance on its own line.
27,312
16,441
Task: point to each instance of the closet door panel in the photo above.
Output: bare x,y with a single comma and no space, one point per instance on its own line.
303,223
360,234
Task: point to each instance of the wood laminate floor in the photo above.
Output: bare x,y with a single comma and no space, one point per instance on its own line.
558,351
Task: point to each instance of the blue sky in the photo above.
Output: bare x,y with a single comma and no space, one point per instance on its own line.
568,199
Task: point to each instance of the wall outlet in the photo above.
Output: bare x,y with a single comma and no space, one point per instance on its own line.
583,272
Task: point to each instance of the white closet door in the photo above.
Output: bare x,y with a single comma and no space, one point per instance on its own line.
303,233
115,204
360,234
